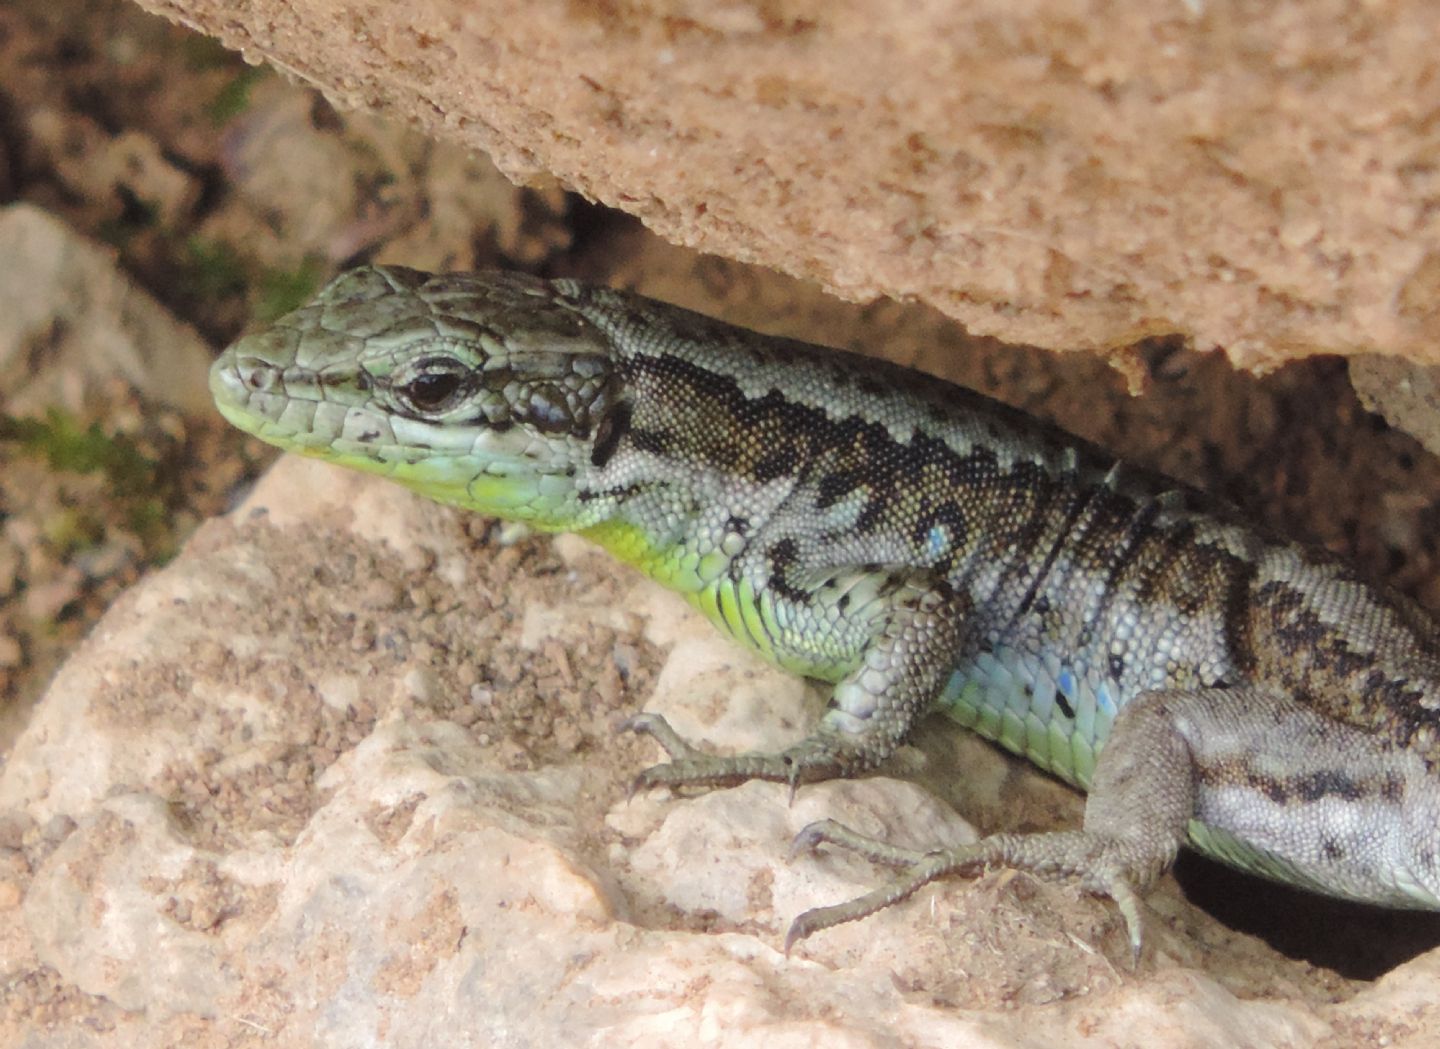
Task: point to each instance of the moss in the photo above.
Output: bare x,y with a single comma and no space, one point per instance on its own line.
234,98
284,290
137,484
66,445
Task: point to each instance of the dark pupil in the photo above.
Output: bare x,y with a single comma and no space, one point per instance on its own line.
431,391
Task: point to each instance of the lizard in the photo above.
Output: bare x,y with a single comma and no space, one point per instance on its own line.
915,546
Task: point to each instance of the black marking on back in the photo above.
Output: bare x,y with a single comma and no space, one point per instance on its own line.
1123,554
783,557
1078,501
612,427
619,493
656,442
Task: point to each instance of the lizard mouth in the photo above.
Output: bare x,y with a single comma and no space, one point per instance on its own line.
287,406
503,469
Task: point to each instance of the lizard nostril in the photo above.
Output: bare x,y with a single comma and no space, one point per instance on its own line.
258,374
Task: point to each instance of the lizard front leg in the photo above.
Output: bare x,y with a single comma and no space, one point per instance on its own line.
891,637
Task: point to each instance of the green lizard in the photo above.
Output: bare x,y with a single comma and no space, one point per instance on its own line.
918,547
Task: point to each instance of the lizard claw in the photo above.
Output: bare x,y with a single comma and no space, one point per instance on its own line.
657,728
810,837
794,780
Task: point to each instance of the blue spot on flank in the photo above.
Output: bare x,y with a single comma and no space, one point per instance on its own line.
1066,683
1104,700
937,542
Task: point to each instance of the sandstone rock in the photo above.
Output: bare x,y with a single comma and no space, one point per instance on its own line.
1258,177
346,773
69,319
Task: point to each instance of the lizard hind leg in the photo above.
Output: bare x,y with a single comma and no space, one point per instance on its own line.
1141,801
1100,865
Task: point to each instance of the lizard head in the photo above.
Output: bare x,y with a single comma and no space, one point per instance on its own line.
481,390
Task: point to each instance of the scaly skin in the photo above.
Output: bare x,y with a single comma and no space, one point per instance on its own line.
917,546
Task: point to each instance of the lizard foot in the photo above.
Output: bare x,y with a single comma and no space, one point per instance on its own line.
1104,866
811,759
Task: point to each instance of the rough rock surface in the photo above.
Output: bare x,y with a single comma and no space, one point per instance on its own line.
1262,177
345,773
69,319
1407,394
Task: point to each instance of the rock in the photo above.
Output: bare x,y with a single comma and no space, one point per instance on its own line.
1258,178
70,319
234,813
1406,394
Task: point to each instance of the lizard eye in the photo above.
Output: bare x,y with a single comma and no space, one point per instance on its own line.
437,387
